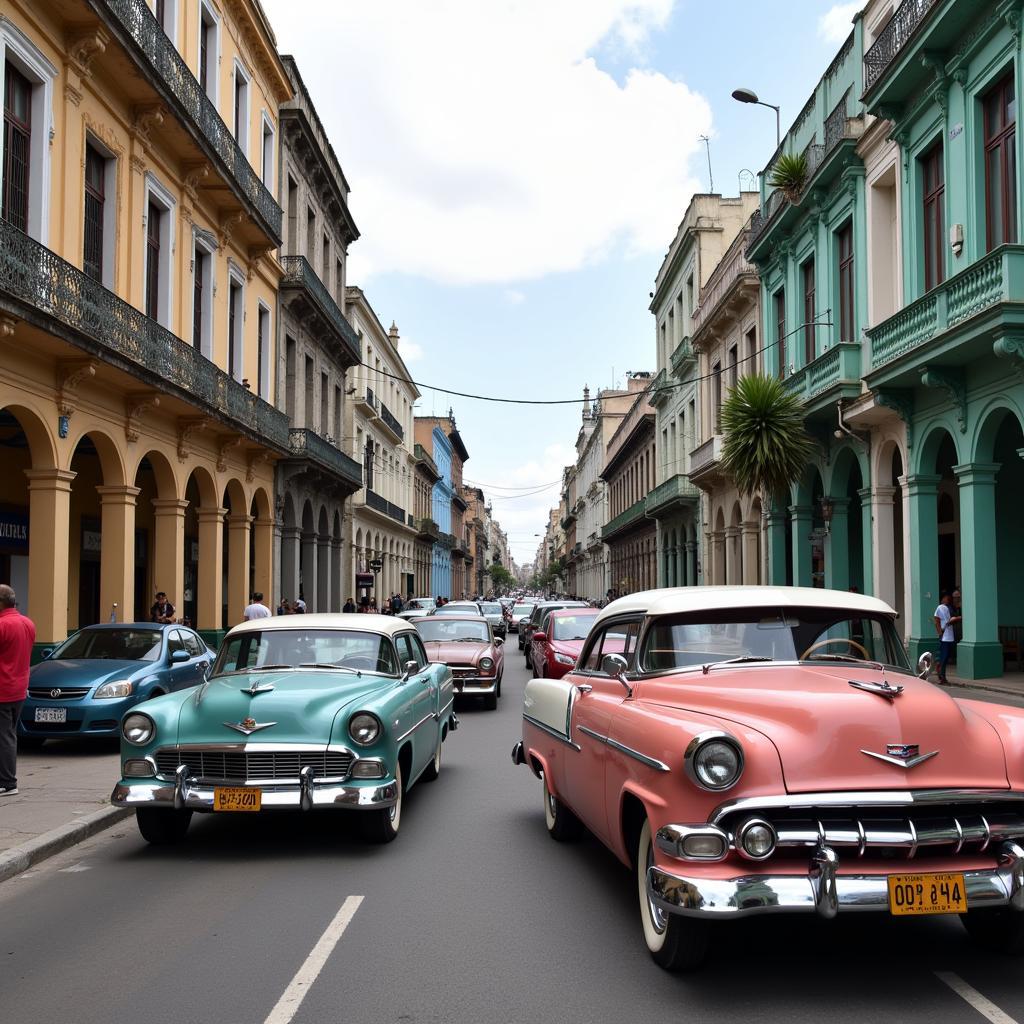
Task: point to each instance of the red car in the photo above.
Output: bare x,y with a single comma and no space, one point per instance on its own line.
554,651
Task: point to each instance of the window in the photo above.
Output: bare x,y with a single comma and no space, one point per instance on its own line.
689,296
339,282
325,408
262,363
241,104
166,12
267,154
933,188
153,217
159,245
289,378
750,352
368,464
615,638
310,234
780,329
845,249
337,414
309,383
326,262
236,320
17,146
95,200
1000,106
199,303
716,395
209,56
733,365
807,271
293,215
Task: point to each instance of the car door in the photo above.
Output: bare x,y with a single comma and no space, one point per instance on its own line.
422,702
179,673
597,697
199,664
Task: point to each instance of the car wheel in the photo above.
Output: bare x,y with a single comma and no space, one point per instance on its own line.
1000,929
491,700
162,827
675,942
563,825
382,826
433,770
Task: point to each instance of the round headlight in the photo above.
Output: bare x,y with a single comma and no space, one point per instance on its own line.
755,839
714,763
487,664
138,729
364,728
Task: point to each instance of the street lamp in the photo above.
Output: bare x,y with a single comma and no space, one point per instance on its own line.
749,96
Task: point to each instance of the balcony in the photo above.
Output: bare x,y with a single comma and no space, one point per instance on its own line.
706,463
155,58
382,505
954,323
37,286
446,540
734,280
388,419
661,389
833,375
307,444
427,530
670,497
366,403
568,519
894,39
624,521
301,284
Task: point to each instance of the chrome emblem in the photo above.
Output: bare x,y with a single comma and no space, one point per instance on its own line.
247,726
883,689
55,693
257,687
903,755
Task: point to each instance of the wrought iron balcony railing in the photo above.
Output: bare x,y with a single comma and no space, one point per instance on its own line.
676,490
428,529
631,515
838,366
299,273
375,501
306,443
893,38
371,399
391,422
730,269
706,455
47,288
141,35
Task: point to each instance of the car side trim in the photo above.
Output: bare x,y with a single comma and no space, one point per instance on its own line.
405,735
651,762
551,732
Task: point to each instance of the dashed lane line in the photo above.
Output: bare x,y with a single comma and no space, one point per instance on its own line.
289,1003
984,1006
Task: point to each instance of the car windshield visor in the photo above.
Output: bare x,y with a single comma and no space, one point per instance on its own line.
255,651
453,631
111,645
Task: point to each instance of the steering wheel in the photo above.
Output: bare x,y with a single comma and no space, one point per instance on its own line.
837,640
360,661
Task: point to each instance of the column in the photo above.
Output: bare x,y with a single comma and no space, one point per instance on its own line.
749,538
263,551
323,574
867,540
878,501
307,570
211,569
922,528
117,554
979,654
691,563
802,516
837,546
290,538
733,568
169,563
239,539
718,562
49,512
776,537
337,586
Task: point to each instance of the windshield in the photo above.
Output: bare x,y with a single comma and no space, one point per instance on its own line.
290,648
771,634
571,627
111,645
490,608
521,611
457,609
457,629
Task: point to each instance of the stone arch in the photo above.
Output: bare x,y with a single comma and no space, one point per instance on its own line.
847,543
934,438
205,485
990,422
167,487
42,445
261,507
107,451
160,520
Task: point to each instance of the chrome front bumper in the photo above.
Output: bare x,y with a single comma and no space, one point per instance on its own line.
470,685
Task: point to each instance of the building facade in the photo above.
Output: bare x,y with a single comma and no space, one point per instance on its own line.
433,433
425,476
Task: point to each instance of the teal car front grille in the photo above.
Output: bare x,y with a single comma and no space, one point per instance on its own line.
242,766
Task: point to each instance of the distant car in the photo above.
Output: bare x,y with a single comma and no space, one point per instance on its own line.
333,712
527,628
458,608
554,651
414,613
493,613
425,604
519,614
467,645
86,685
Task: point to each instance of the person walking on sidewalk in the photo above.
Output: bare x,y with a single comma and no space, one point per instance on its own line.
945,620
257,609
17,635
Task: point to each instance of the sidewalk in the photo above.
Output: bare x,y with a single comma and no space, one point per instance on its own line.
1010,684
63,794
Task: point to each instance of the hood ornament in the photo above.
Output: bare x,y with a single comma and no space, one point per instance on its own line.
903,755
883,689
247,726
257,687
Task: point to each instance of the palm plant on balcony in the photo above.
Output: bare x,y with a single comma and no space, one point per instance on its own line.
789,175
766,447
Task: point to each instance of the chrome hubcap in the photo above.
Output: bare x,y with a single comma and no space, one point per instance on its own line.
659,918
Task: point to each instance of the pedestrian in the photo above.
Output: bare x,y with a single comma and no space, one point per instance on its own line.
299,606
372,606
396,604
350,606
162,609
285,607
256,610
944,623
17,635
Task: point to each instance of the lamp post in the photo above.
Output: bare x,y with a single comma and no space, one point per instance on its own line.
749,96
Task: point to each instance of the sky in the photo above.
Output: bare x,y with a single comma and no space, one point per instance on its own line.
518,170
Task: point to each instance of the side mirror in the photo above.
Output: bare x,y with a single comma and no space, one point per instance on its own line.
177,657
925,663
498,641
540,637
46,653
411,668
615,665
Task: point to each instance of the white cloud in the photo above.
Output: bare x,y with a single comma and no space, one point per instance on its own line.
410,351
835,24
483,141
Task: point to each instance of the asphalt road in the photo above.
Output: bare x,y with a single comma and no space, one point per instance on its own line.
472,915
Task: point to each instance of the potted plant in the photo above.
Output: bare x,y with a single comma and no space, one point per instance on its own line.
789,175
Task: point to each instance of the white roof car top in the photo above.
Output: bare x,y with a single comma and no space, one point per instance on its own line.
365,622
681,600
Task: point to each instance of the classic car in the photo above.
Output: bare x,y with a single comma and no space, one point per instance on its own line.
468,646
753,750
84,686
495,615
520,613
556,645
338,712
526,628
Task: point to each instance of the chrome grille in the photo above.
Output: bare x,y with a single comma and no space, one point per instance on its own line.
58,693
245,766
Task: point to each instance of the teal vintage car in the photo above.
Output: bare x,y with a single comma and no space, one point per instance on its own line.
300,712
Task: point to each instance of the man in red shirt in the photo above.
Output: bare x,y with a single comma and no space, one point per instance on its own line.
17,635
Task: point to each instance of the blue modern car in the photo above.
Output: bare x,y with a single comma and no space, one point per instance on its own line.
84,686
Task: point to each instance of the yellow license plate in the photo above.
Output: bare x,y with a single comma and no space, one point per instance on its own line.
927,894
236,798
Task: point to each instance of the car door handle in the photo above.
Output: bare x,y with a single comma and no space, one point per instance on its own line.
583,688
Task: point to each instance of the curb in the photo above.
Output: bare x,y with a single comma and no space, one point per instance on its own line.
1004,691
21,858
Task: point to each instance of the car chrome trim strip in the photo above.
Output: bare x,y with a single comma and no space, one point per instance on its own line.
409,732
545,728
651,762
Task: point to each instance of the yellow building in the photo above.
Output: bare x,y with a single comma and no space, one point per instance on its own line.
138,292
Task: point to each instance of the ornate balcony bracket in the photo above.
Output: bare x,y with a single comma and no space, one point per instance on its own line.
952,382
225,442
902,403
70,374
257,457
188,427
135,405
1011,347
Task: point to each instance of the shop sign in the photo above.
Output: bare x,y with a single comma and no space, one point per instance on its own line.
14,532
364,580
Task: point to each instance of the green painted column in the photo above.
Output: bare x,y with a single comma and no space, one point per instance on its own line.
777,549
868,537
802,521
979,654
922,499
837,546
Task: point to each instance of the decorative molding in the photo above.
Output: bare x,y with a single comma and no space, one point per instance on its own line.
952,382
225,442
187,429
1011,347
7,325
135,405
195,175
257,457
138,163
227,226
255,254
83,49
70,374
901,402
146,117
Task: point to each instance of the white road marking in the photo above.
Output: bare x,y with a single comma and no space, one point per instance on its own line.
73,869
984,1006
289,1003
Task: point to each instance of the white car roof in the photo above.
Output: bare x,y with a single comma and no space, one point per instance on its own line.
681,600
365,622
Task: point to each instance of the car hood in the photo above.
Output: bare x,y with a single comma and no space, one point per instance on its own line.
85,671
821,725
458,653
570,647
302,705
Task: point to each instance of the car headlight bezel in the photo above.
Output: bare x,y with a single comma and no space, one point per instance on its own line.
138,739
564,659
127,688
365,737
486,664
701,748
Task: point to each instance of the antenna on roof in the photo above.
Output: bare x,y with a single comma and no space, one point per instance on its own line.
707,145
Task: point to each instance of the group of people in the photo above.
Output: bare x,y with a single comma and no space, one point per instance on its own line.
368,605
949,619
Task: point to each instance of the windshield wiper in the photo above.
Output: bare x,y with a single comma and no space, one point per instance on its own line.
329,664
744,659
845,657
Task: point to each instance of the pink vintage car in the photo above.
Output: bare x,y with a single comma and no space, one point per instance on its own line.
751,750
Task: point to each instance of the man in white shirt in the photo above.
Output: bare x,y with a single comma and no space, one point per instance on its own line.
256,610
944,622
